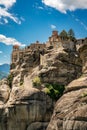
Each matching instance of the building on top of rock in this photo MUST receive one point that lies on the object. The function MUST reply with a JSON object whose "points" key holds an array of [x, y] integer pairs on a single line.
{"points": [[15, 53], [54, 40], [37, 45], [54, 36], [80, 43], [19, 54], [15, 47]]}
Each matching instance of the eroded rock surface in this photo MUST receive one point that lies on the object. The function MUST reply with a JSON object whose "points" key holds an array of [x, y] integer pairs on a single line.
{"points": [[24, 107], [56, 66], [4, 91], [70, 112], [60, 66], [26, 110]]}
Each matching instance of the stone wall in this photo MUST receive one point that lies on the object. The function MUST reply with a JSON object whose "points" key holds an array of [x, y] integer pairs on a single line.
{"points": [[20, 54]]}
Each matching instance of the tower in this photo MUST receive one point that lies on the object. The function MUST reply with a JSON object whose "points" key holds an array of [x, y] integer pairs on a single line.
{"points": [[55, 34], [15, 53], [15, 47]]}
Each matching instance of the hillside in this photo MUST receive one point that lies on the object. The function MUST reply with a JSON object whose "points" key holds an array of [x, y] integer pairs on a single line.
{"points": [[5, 68], [3, 75]]}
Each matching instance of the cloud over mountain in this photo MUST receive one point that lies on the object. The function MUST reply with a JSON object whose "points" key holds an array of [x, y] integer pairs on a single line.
{"points": [[64, 5], [5, 5]]}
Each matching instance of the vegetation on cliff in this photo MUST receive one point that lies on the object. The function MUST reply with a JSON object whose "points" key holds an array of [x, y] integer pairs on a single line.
{"points": [[55, 91], [67, 35]]}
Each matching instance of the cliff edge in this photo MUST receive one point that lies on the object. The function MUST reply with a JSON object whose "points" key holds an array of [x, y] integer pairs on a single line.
{"points": [[25, 101], [70, 112]]}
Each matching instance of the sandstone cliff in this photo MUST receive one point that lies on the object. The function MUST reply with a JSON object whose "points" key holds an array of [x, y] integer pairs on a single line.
{"points": [[25, 107], [70, 112]]}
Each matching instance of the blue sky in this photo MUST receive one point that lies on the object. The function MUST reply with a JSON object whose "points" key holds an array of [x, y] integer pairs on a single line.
{"points": [[24, 22]]}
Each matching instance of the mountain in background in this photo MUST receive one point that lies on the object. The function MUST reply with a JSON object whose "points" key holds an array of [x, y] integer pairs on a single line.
{"points": [[4, 70]]}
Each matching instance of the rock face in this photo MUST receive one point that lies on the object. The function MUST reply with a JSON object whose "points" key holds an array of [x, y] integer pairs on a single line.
{"points": [[24, 107], [70, 112], [56, 66], [4, 91], [26, 110], [60, 66]]}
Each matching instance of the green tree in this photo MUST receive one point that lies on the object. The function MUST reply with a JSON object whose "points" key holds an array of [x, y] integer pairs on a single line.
{"points": [[71, 34], [64, 35], [55, 91]]}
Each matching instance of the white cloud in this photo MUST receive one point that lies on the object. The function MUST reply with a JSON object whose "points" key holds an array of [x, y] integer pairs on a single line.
{"points": [[41, 8], [53, 26], [9, 41], [22, 19], [5, 20], [77, 19], [1, 52], [37, 6], [5, 5], [64, 5]]}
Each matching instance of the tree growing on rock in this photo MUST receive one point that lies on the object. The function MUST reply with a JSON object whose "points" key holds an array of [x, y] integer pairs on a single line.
{"points": [[71, 34], [64, 35]]}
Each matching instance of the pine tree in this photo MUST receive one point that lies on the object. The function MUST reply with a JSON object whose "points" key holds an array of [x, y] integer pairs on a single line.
{"points": [[64, 35], [71, 34]]}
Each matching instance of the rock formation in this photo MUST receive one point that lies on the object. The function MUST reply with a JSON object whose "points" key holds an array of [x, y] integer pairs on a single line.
{"points": [[70, 112], [60, 66], [26, 107]]}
